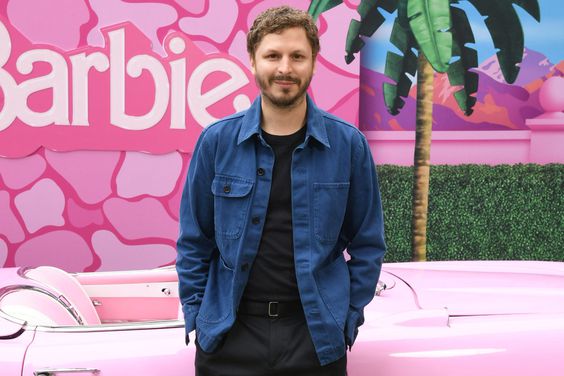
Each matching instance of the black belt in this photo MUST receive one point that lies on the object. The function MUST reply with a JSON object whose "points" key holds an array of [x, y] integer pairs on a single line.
{"points": [[270, 309]]}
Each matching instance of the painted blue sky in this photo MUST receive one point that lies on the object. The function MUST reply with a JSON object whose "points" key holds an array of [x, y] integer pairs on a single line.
{"points": [[544, 37]]}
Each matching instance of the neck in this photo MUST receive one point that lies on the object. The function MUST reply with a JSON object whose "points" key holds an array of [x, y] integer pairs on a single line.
{"points": [[281, 121]]}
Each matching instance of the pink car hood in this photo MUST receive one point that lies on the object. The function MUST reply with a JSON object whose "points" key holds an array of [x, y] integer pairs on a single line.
{"points": [[485, 287]]}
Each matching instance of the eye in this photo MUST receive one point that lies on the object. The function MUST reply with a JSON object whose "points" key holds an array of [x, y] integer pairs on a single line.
{"points": [[298, 57], [271, 56]]}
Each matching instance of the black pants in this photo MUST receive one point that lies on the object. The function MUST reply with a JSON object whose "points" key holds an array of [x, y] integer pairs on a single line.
{"points": [[259, 346]]}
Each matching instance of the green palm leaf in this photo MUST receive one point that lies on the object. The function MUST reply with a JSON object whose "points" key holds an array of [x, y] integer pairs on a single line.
{"points": [[398, 66], [530, 6], [430, 23], [370, 20], [319, 6], [459, 73], [505, 28]]}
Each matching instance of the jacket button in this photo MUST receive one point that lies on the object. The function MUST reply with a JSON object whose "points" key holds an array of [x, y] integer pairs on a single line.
{"points": [[260, 171], [244, 267], [226, 189], [255, 220]]}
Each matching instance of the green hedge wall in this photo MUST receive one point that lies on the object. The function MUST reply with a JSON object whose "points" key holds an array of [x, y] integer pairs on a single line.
{"points": [[479, 212]]}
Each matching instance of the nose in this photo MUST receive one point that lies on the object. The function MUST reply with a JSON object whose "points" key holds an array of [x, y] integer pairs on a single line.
{"points": [[284, 67]]}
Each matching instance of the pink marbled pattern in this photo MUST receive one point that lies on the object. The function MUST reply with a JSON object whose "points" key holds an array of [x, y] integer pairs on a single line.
{"points": [[20, 172], [89, 173], [3, 252], [9, 225], [193, 6], [336, 35], [60, 248], [143, 174], [116, 255], [148, 17], [60, 28], [82, 217], [42, 205], [146, 218], [108, 210], [219, 12], [174, 202], [327, 98], [238, 47]]}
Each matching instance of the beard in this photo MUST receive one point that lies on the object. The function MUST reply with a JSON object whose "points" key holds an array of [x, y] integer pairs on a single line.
{"points": [[286, 100]]}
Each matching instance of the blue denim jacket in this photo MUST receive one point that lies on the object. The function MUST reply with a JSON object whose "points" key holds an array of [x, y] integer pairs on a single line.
{"points": [[335, 206]]}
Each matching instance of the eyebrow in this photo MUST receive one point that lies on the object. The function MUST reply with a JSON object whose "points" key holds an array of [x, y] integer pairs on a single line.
{"points": [[272, 50]]}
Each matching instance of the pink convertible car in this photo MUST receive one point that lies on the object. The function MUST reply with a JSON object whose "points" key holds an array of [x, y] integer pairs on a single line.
{"points": [[434, 318]]}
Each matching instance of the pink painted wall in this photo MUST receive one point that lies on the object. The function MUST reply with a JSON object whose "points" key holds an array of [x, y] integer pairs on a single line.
{"points": [[98, 196], [541, 143], [102, 191]]}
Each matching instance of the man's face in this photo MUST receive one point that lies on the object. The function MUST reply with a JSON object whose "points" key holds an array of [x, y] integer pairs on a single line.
{"points": [[283, 66]]}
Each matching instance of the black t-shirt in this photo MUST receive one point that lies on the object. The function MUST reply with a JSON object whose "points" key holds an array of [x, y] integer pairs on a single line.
{"points": [[273, 276]]}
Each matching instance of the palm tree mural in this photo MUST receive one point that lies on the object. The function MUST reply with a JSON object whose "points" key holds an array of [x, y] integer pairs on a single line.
{"points": [[434, 36]]}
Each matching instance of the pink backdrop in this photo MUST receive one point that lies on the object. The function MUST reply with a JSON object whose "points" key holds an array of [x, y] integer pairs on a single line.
{"points": [[99, 196]]}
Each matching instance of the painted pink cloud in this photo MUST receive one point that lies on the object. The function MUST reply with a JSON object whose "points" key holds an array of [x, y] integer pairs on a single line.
{"points": [[19, 172], [142, 219], [89, 172], [145, 174], [54, 22], [118, 256], [111, 12], [9, 225], [42, 205], [216, 24], [3, 252], [63, 249], [82, 217]]}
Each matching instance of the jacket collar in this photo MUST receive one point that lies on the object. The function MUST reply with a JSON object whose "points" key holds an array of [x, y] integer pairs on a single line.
{"points": [[315, 124]]}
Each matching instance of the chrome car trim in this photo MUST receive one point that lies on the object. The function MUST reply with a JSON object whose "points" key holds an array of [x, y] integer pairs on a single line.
{"points": [[380, 286], [12, 319], [144, 325], [54, 371], [59, 298]]}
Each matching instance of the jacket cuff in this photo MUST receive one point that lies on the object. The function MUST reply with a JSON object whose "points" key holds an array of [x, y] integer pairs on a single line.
{"points": [[190, 312], [354, 320]]}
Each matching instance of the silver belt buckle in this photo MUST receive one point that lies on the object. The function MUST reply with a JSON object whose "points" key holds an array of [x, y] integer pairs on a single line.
{"points": [[272, 306]]}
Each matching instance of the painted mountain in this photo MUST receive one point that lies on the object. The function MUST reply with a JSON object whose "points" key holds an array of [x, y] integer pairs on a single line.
{"points": [[499, 106]]}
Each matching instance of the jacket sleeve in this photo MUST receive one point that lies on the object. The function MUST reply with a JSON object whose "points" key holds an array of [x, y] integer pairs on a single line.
{"points": [[196, 241], [364, 229]]}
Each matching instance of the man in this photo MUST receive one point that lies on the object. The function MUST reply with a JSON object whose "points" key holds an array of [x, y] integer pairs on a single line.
{"points": [[273, 197]]}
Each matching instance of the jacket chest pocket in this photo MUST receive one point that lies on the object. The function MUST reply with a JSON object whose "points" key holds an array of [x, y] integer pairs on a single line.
{"points": [[329, 206], [232, 198]]}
